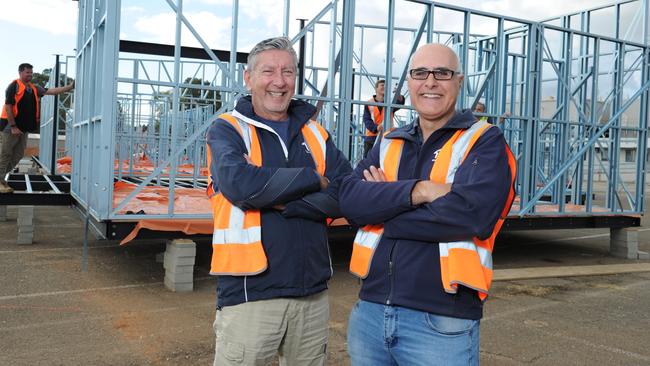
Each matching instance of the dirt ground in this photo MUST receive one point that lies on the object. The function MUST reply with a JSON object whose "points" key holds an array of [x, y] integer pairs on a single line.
{"points": [[119, 313]]}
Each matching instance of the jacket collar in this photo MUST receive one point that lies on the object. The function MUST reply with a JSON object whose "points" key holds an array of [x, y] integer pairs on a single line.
{"points": [[462, 119], [299, 112]]}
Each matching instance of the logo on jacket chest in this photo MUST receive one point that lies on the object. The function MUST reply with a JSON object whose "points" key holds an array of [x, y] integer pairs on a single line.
{"points": [[435, 155], [306, 148]]}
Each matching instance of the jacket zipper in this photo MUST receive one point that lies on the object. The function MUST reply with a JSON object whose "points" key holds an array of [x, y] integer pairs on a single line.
{"points": [[285, 148], [390, 274], [245, 290]]}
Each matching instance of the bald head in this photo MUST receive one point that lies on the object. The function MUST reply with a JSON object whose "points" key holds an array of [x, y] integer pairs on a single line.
{"points": [[441, 51]]}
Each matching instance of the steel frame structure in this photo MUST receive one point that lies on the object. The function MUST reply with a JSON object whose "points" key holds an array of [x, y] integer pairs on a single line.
{"points": [[55, 112], [522, 67], [38, 190]]}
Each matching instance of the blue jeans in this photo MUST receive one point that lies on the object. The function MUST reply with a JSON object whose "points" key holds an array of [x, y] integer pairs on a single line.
{"points": [[392, 335]]}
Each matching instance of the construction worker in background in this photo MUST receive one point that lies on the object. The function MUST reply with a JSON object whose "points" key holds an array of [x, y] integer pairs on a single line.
{"points": [[480, 108], [430, 198], [20, 115], [274, 177], [373, 116]]}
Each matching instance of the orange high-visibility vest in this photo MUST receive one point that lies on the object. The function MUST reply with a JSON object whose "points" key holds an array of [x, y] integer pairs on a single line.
{"points": [[237, 237], [468, 263], [377, 116], [20, 92]]}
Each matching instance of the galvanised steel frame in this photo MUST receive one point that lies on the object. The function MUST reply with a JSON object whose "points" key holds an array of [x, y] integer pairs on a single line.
{"points": [[56, 111], [572, 94]]}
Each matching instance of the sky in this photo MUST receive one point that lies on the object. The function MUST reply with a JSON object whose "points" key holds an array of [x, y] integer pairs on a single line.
{"points": [[36, 30]]}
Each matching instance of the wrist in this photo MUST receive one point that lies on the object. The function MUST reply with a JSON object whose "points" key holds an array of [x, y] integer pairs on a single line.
{"points": [[416, 194]]}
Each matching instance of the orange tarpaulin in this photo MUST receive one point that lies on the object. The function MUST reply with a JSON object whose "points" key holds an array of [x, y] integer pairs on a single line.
{"points": [[189, 227], [154, 200], [64, 165], [141, 166]]}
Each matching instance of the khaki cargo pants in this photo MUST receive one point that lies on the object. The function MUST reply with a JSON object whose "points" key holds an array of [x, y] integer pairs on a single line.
{"points": [[253, 333], [12, 149]]}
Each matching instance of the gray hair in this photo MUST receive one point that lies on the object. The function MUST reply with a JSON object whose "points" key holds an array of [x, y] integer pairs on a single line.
{"points": [[276, 43]]}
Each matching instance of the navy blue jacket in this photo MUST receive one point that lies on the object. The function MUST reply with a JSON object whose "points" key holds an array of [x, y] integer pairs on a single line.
{"points": [[295, 240], [405, 269]]}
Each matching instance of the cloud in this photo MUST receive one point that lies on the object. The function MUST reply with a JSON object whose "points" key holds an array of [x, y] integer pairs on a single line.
{"points": [[216, 2], [268, 15], [57, 17], [160, 28], [529, 10], [128, 10]]}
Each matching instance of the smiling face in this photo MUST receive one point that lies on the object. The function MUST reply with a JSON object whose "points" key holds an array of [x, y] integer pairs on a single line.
{"points": [[272, 83], [435, 100]]}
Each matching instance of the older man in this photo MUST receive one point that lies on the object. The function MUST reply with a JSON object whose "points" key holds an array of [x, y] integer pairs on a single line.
{"points": [[274, 182], [432, 197]]}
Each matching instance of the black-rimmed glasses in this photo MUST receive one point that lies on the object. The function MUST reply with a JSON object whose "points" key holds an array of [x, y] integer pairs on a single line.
{"points": [[438, 74]]}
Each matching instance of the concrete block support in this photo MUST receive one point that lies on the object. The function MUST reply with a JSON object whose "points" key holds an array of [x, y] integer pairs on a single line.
{"points": [[24, 165], [3, 213], [25, 239], [179, 265], [624, 242], [25, 225]]}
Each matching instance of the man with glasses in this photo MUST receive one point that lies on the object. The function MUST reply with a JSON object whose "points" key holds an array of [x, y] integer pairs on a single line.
{"points": [[430, 201]]}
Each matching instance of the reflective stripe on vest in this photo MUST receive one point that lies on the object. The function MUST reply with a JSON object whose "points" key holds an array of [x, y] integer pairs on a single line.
{"points": [[316, 138], [20, 92], [368, 237], [237, 248], [466, 262]]}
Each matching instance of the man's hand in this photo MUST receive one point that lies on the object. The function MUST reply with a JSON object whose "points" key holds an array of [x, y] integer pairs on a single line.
{"points": [[60, 89], [504, 116], [373, 174], [426, 191], [16, 131], [380, 128]]}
